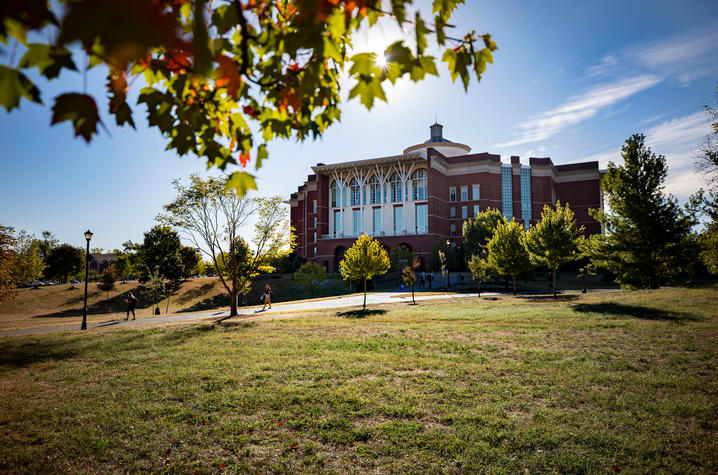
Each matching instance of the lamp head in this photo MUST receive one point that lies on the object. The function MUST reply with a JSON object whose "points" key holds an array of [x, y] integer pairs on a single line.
{"points": [[88, 234]]}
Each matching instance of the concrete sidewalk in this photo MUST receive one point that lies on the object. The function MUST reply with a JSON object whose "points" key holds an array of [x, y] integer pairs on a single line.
{"points": [[372, 298]]}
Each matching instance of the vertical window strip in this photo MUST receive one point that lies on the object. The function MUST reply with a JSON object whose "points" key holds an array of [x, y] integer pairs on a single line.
{"points": [[526, 196], [506, 192]]}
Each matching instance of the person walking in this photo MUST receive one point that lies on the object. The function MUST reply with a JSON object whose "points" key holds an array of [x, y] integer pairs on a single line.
{"points": [[422, 280], [131, 304], [430, 278], [267, 297]]}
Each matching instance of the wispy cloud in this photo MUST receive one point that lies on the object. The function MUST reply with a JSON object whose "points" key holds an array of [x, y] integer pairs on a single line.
{"points": [[580, 108], [678, 140]]}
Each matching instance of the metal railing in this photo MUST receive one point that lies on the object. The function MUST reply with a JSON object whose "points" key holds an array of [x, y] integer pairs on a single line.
{"points": [[414, 232]]}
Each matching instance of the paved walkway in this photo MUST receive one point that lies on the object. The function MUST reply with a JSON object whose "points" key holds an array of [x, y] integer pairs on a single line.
{"points": [[372, 298]]}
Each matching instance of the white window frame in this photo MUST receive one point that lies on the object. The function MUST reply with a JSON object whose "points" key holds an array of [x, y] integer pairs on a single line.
{"points": [[464, 212], [476, 192], [452, 194], [452, 212], [464, 193]]}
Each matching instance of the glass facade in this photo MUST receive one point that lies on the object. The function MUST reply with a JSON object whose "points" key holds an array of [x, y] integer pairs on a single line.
{"points": [[418, 185], [422, 218], [398, 219], [506, 192], [356, 221], [337, 222], [374, 190], [333, 195], [395, 187], [376, 221], [526, 196], [354, 193]]}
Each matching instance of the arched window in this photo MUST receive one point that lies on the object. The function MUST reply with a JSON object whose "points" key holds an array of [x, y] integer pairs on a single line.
{"points": [[418, 185], [374, 190], [333, 194], [354, 193], [395, 188]]}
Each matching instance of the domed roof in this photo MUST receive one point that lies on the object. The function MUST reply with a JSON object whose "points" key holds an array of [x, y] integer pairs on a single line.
{"points": [[445, 146]]}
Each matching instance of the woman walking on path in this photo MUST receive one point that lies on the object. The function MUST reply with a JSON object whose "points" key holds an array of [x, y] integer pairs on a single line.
{"points": [[131, 304], [267, 297]]}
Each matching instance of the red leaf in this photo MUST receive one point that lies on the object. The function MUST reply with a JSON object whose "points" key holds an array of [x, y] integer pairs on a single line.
{"points": [[222, 466], [81, 110], [249, 110], [295, 447], [227, 75], [281, 423], [196, 472], [294, 67], [243, 159], [616, 468], [178, 61]]}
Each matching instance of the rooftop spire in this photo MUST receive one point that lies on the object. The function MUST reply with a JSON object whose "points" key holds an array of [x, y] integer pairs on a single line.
{"points": [[436, 132]]}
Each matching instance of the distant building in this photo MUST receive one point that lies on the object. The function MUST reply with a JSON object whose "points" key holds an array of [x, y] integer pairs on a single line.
{"points": [[100, 262], [424, 195]]}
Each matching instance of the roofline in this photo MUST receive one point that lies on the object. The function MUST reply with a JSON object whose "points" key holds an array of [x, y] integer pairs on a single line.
{"points": [[370, 161]]}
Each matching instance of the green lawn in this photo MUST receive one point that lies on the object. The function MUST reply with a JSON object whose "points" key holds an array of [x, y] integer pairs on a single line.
{"points": [[609, 381]]}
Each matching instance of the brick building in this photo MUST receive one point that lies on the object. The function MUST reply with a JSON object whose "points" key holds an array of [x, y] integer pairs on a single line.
{"points": [[425, 194]]}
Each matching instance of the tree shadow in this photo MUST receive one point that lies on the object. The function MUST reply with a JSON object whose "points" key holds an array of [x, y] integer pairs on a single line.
{"points": [[634, 311], [195, 293], [179, 335], [361, 313], [549, 298], [210, 303]]}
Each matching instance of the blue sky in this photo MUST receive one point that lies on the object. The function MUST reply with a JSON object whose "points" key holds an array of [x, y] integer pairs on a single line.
{"points": [[571, 80]]}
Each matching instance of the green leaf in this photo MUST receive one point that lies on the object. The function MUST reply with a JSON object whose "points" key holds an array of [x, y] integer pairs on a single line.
{"points": [[49, 61], [482, 57], [421, 31], [364, 63], [490, 44], [13, 86], [261, 155], [459, 62], [368, 89], [241, 182], [425, 65], [123, 114], [203, 57], [446, 7], [81, 110], [398, 8], [439, 24]]}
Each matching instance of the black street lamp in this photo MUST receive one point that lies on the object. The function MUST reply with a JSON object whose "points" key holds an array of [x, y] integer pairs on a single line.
{"points": [[88, 236], [448, 276]]}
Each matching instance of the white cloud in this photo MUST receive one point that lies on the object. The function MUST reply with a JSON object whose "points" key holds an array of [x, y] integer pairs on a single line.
{"points": [[580, 108]]}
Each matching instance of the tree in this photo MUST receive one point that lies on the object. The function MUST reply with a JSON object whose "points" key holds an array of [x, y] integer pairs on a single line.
{"points": [[479, 230], [161, 251], [555, 240], [409, 276], [644, 229], [107, 280], [310, 276], [64, 260], [47, 243], [364, 260], [156, 285], [507, 250], [707, 157], [223, 78], [480, 270], [211, 216], [191, 259], [400, 257], [29, 264], [8, 279], [449, 254]]}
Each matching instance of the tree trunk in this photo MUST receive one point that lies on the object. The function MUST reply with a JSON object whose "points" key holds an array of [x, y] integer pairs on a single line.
{"points": [[554, 282], [412, 295], [233, 303], [167, 307], [478, 287], [514, 276], [364, 308]]}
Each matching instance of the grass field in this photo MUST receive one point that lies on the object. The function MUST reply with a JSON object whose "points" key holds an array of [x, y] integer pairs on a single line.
{"points": [[595, 383]]}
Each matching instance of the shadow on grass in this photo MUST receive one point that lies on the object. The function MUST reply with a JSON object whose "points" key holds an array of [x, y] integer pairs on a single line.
{"points": [[361, 313], [210, 303], [194, 293], [178, 335], [549, 298], [634, 311]]}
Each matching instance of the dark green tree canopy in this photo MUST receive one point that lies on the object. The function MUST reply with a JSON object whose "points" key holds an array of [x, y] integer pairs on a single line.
{"points": [[223, 78], [644, 228], [64, 260], [310, 276], [364, 260], [507, 250], [161, 252], [479, 230]]}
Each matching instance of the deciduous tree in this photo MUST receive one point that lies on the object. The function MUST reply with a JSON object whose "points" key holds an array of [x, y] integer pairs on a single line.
{"points": [[478, 231], [29, 264], [364, 260], [64, 260], [191, 259], [555, 240], [480, 270], [107, 280], [408, 275], [310, 276], [222, 79], [211, 216], [507, 250], [644, 229], [400, 256], [161, 251], [8, 280]]}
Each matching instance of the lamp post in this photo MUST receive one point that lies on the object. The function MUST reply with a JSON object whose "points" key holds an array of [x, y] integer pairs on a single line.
{"points": [[88, 236], [448, 276]]}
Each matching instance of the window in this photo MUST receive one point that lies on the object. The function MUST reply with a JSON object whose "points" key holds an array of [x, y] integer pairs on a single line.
{"points": [[452, 194], [464, 193], [506, 192], [314, 207], [333, 194], [315, 237], [356, 221], [315, 222], [474, 192], [337, 222], [376, 221], [395, 187], [453, 230], [526, 196], [398, 219], [464, 212], [476, 210], [315, 252], [418, 185], [354, 193], [422, 218], [452, 213], [374, 190]]}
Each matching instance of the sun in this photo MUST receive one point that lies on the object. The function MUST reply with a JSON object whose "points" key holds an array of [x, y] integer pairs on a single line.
{"points": [[381, 60]]}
